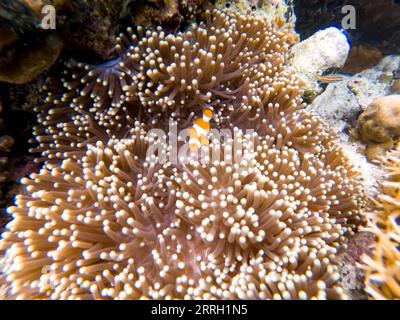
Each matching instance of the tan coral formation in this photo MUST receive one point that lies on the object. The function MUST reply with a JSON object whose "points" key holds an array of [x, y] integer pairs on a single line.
{"points": [[383, 267], [104, 220], [379, 125]]}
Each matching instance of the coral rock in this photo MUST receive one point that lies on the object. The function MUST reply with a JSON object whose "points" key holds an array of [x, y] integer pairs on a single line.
{"points": [[324, 50], [27, 63], [395, 88], [380, 122], [360, 58], [7, 37], [313, 15]]}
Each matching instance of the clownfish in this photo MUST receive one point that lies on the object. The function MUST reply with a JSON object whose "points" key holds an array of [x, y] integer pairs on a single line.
{"points": [[198, 133]]}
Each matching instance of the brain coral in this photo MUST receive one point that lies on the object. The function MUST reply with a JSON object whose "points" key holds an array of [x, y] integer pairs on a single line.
{"points": [[379, 125], [104, 219], [383, 267]]}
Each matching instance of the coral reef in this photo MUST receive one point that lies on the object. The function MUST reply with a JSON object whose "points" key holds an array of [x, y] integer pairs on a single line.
{"points": [[106, 219], [379, 125], [170, 14], [28, 63], [6, 141], [26, 50], [341, 104], [360, 58], [83, 28], [351, 267], [271, 10], [325, 50], [395, 87], [382, 267], [14, 163], [314, 15]]}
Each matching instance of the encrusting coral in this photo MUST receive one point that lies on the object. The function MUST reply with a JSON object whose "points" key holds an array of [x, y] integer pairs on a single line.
{"points": [[383, 267], [106, 219], [379, 125]]}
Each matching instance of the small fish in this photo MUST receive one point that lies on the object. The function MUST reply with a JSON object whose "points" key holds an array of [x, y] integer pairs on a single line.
{"points": [[332, 78], [198, 133]]}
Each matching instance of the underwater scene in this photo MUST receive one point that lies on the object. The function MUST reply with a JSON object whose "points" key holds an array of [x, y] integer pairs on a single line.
{"points": [[199, 149]]}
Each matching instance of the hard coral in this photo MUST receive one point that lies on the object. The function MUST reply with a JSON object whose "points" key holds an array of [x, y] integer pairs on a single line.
{"points": [[379, 125], [169, 14], [104, 219], [26, 49], [383, 267]]}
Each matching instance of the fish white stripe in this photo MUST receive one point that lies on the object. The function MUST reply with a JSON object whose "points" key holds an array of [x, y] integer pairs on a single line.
{"points": [[194, 141], [200, 131]]}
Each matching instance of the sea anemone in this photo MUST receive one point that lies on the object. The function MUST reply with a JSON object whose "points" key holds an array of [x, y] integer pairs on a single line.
{"points": [[383, 267], [65, 128], [212, 63], [274, 199], [382, 280], [100, 88], [260, 215], [87, 219], [274, 107], [116, 224]]}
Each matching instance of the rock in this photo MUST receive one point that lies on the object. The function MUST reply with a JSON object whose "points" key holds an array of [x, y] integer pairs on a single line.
{"points": [[18, 15], [362, 57], [6, 142], [341, 104], [395, 87], [324, 50], [380, 122], [379, 125], [269, 9], [7, 38], [377, 21], [360, 162], [28, 62], [171, 8]]}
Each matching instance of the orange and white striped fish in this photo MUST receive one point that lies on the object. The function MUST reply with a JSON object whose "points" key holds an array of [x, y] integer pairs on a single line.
{"points": [[201, 128]]}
